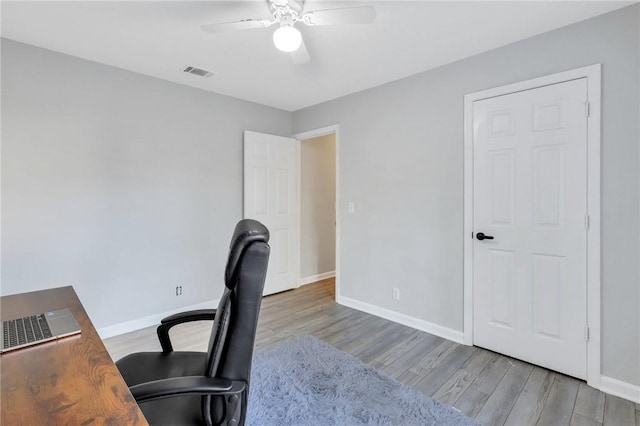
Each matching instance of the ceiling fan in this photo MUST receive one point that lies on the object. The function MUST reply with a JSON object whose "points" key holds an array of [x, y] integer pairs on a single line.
{"points": [[286, 13]]}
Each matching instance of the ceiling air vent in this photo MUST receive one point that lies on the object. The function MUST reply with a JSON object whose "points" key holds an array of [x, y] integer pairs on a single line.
{"points": [[200, 72]]}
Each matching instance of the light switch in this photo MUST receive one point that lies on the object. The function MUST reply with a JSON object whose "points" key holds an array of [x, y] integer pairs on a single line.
{"points": [[352, 207]]}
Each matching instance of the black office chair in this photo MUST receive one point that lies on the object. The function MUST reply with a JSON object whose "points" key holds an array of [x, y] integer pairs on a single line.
{"points": [[194, 388]]}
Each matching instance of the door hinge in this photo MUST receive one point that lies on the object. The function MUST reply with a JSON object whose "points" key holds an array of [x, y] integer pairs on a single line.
{"points": [[587, 109], [586, 333], [586, 222]]}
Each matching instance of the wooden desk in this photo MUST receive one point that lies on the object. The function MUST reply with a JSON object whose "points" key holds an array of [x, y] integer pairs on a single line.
{"points": [[71, 381]]}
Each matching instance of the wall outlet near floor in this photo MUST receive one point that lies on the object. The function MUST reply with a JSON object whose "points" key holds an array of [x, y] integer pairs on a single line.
{"points": [[178, 290], [396, 293]]}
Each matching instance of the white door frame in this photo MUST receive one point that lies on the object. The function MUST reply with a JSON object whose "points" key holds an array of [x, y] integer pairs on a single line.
{"points": [[593, 75], [323, 131]]}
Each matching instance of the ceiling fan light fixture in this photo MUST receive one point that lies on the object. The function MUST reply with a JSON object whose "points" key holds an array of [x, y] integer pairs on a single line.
{"points": [[287, 38]]}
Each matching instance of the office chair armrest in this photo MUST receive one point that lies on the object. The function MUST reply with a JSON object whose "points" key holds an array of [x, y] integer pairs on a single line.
{"points": [[197, 315], [179, 318], [188, 385]]}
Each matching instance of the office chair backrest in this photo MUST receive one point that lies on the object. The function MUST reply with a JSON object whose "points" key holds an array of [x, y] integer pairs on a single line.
{"points": [[234, 328]]}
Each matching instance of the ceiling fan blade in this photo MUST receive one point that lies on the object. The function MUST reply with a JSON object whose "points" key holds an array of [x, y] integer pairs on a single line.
{"points": [[347, 15], [300, 55], [245, 24]]}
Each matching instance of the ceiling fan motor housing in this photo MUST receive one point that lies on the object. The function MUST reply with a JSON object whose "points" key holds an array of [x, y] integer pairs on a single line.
{"points": [[282, 8]]}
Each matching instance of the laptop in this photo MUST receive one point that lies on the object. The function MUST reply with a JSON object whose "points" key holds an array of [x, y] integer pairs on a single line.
{"points": [[35, 329]]}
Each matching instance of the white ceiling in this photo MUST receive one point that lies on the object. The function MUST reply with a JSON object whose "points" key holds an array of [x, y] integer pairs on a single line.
{"points": [[159, 38]]}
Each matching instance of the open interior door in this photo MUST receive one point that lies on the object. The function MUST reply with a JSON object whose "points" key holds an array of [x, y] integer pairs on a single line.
{"points": [[270, 170]]}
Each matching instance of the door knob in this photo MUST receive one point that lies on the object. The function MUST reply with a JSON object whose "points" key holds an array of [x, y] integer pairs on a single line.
{"points": [[480, 236]]}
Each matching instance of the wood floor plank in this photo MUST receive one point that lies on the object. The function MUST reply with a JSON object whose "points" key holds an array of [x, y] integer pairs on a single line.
{"points": [[478, 361], [193, 338], [476, 381], [265, 338], [618, 411], [471, 402], [365, 341], [391, 336], [579, 420], [453, 388], [352, 337], [528, 406], [460, 381], [589, 404], [558, 409], [439, 374], [335, 329], [387, 357], [143, 340], [409, 378], [491, 375], [395, 363], [325, 318], [434, 358], [499, 405]]}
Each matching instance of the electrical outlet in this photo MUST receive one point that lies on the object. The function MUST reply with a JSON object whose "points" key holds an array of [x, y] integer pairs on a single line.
{"points": [[396, 293], [178, 290]]}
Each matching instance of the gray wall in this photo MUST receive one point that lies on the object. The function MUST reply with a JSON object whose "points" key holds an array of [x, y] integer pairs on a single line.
{"points": [[401, 156], [125, 186], [317, 206], [121, 185]]}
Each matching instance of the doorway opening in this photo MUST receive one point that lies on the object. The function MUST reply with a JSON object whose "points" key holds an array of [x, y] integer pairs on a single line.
{"points": [[318, 205]]}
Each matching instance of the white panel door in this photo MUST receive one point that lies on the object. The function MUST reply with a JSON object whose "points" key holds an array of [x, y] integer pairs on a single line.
{"points": [[530, 195], [270, 169]]}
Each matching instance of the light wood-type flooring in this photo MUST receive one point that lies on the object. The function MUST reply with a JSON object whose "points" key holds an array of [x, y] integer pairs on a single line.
{"points": [[492, 388]]}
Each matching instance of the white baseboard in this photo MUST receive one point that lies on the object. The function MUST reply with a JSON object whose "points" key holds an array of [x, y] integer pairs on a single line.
{"points": [[137, 324], [422, 325], [313, 278], [619, 388]]}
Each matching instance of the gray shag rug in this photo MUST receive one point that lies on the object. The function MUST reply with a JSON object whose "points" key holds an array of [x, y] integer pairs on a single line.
{"points": [[308, 382]]}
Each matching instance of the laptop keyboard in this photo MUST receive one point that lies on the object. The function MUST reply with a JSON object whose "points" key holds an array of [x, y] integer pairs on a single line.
{"points": [[25, 330]]}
